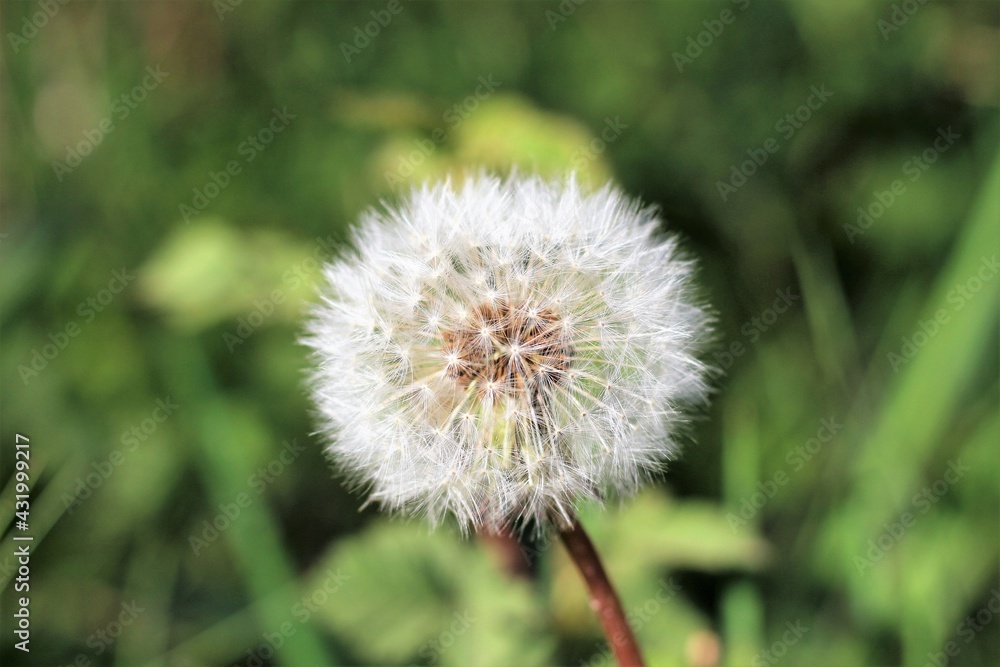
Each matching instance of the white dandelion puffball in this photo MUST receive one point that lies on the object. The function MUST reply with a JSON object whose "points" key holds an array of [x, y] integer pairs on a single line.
{"points": [[502, 349]]}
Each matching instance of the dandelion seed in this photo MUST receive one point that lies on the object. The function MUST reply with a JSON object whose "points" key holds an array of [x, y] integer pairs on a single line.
{"points": [[490, 351]]}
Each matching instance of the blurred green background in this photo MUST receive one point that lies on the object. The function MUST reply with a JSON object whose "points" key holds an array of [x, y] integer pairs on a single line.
{"points": [[173, 173]]}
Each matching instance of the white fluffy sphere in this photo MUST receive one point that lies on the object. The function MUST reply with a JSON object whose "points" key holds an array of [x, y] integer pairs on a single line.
{"points": [[502, 349]]}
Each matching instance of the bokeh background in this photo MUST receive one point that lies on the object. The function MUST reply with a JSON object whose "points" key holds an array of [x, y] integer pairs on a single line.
{"points": [[174, 172]]}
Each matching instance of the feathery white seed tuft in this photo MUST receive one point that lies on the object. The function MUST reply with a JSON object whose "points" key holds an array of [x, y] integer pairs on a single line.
{"points": [[505, 348]]}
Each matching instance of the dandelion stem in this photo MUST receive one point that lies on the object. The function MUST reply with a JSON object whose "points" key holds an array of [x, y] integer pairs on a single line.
{"points": [[603, 598]]}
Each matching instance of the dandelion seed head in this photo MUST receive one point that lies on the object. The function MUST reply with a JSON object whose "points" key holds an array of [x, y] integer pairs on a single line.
{"points": [[503, 349]]}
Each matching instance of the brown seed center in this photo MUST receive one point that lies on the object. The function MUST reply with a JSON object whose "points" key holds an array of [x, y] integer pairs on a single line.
{"points": [[508, 348]]}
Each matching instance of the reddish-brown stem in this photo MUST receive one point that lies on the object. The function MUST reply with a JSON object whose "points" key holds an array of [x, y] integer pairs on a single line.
{"points": [[603, 598]]}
